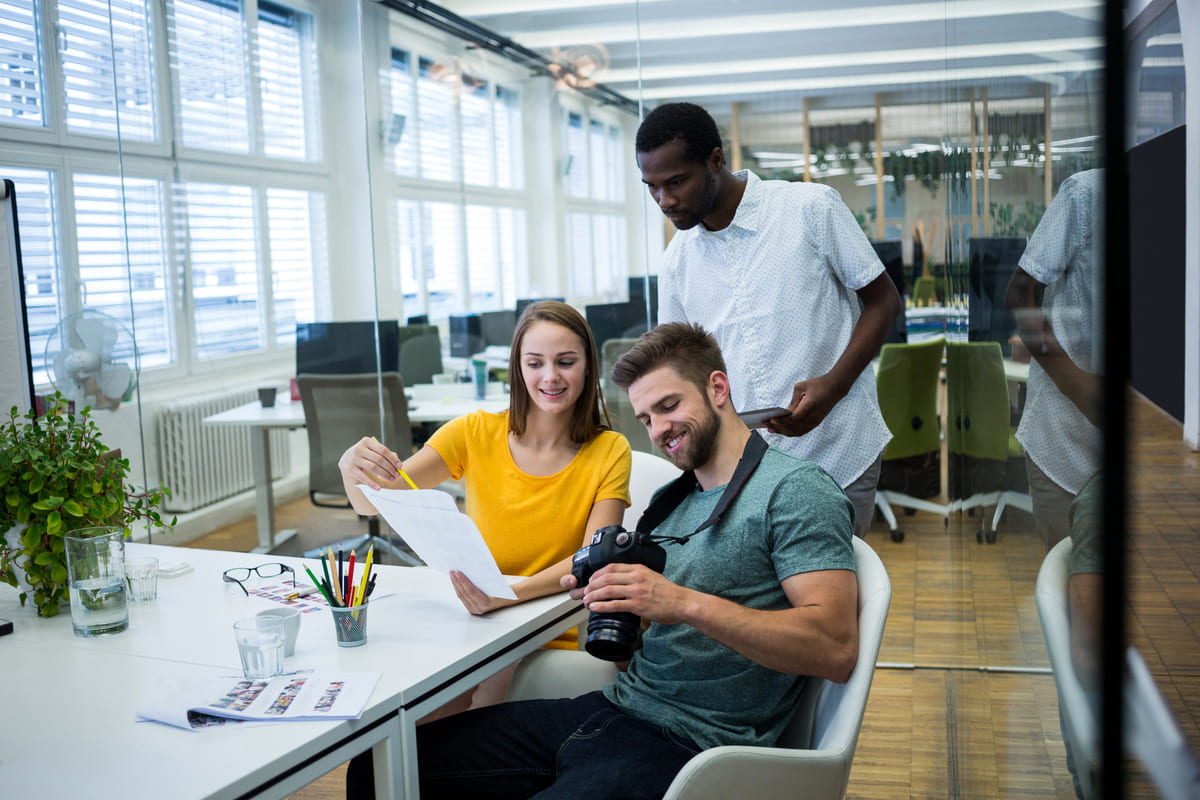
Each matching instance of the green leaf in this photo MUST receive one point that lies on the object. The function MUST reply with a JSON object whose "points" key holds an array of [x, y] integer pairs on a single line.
{"points": [[73, 508], [45, 558], [36, 484], [53, 523], [58, 573]]}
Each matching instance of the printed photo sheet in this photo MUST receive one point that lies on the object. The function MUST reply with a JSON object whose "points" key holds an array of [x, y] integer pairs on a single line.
{"points": [[306, 695]]}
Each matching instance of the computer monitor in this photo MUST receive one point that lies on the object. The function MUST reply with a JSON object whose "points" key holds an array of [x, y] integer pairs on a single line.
{"points": [[346, 348], [992, 260], [637, 294], [496, 327], [418, 319], [616, 320]]}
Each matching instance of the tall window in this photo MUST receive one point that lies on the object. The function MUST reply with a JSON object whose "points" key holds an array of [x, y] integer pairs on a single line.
{"points": [[199, 268], [454, 142], [595, 224]]}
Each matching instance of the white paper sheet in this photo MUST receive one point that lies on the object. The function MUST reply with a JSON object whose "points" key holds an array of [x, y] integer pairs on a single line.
{"points": [[444, 537]]}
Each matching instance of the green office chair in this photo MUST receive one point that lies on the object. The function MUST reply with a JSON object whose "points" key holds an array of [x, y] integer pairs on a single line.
{"points": [[980, 434], [924, 290], [911, 472]]}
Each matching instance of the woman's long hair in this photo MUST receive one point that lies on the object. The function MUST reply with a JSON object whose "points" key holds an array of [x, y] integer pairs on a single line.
{"points": [[590, 415]]}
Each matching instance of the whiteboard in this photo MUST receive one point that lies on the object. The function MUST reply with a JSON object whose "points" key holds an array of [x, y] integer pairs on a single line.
{"points": [[16, 373]]}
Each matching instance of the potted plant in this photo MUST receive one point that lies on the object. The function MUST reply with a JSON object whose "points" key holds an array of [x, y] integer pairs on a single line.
{"points": [[58, 477]]}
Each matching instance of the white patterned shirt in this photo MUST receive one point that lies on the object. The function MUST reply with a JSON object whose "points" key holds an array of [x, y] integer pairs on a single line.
{"points": [[777, 290], [1061, 254]]}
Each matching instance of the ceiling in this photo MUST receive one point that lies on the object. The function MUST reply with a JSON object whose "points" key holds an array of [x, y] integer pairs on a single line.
{"points": [[768, 55]]}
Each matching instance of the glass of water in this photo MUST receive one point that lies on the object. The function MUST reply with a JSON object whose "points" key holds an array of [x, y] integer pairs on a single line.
{"points": [[96, 580], [260, 643]]}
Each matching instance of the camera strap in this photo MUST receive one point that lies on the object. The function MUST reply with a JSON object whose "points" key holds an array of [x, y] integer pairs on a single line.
{"points": [[677, 491]]}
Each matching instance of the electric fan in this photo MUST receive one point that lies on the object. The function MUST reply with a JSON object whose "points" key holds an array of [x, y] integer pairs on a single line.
{"points": [[92, 359]]}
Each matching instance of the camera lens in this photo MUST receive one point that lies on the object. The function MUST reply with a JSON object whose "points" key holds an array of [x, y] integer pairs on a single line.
{"points": [[611, 637]]}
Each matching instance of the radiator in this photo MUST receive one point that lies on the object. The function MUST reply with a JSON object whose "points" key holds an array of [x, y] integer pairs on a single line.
{"points": [[202, 464]]}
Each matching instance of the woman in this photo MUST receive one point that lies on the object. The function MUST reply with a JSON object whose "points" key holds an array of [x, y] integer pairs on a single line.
{"points": [[540, 477]]}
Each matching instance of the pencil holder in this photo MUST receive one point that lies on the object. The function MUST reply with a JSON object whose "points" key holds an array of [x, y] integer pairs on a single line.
{"points": [[350, 624]]}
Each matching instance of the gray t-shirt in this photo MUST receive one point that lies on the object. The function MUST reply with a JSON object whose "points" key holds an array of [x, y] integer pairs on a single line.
{"points": [[790, 517]]}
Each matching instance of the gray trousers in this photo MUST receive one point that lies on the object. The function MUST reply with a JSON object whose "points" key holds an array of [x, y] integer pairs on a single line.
{"points": [[861, 492]]}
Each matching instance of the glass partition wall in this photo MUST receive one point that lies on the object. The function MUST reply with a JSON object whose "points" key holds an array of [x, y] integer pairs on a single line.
{"points": [[220, 183]]}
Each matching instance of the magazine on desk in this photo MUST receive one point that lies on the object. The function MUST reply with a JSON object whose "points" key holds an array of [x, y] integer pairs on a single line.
{"points": [[295, 696]]}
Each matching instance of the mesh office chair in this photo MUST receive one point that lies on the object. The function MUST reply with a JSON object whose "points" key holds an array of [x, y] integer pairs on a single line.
{"points": [[813, 756], [623, 419], [338, 411], [979, 432], [911, 472]]}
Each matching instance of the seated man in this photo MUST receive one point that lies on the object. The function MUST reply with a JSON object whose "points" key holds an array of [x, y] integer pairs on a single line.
{"points": [[745, 609]]}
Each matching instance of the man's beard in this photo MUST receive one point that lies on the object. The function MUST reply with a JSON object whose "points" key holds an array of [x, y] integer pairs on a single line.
{"points": [[708, 201], [700, 443]]}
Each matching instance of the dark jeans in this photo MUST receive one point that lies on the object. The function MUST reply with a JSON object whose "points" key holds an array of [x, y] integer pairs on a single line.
{"points": [[580, 747]]}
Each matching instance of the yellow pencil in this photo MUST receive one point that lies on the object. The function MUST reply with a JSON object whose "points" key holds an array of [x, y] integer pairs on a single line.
{"points": [[403, 474], [366, 573]]}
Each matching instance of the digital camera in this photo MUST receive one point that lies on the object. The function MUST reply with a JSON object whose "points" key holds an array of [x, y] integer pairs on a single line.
{"points": [[612, 636]]}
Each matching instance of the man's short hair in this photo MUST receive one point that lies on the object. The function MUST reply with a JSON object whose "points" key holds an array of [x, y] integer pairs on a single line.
{"points": [[687, 347], [684, 122]]}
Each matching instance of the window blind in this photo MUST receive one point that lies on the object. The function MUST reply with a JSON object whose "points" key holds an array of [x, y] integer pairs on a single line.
{"points": [[210, 67], [299, 269], [509, 138], [283, 62], [402, 152], [476, 115], [221, 255], [598, 160], [22, 95], [442, 242], [435, 109], [579, 254], [122, 257], [575, 151], [107, 67]]}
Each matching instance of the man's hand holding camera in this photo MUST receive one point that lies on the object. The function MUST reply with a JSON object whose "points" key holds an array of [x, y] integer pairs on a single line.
{"points": [[631, 589]]}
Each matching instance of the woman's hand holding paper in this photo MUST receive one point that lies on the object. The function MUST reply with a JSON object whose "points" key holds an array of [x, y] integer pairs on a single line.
{"points": [[475, 600]]}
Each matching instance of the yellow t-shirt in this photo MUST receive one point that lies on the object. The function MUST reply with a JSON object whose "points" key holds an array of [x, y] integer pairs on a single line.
{"points": [[529, 521]]}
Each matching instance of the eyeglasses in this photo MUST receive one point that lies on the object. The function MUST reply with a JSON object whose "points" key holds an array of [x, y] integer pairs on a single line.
{"points": [[239, 574]]}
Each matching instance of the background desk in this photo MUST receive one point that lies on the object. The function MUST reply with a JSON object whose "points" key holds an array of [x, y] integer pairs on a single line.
{"points": [[428, 402], [69, 703]]}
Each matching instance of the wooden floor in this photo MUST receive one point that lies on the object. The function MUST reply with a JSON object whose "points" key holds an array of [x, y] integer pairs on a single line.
{"points": [[962, 704]]}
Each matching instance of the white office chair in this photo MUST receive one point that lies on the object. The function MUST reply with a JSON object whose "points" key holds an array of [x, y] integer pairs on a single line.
{"points": [[1076, 712], [813, 756], [647, 473]]}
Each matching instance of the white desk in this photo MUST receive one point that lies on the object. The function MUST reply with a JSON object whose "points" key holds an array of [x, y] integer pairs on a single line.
{"points": [[70, 703], [429, 403]]}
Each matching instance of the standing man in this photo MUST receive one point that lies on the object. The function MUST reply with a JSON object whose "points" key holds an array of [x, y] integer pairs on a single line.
{"points": [[775, 270]]}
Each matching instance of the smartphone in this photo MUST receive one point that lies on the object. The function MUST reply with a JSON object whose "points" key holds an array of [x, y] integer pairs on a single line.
{"points": [[755, 419]]}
